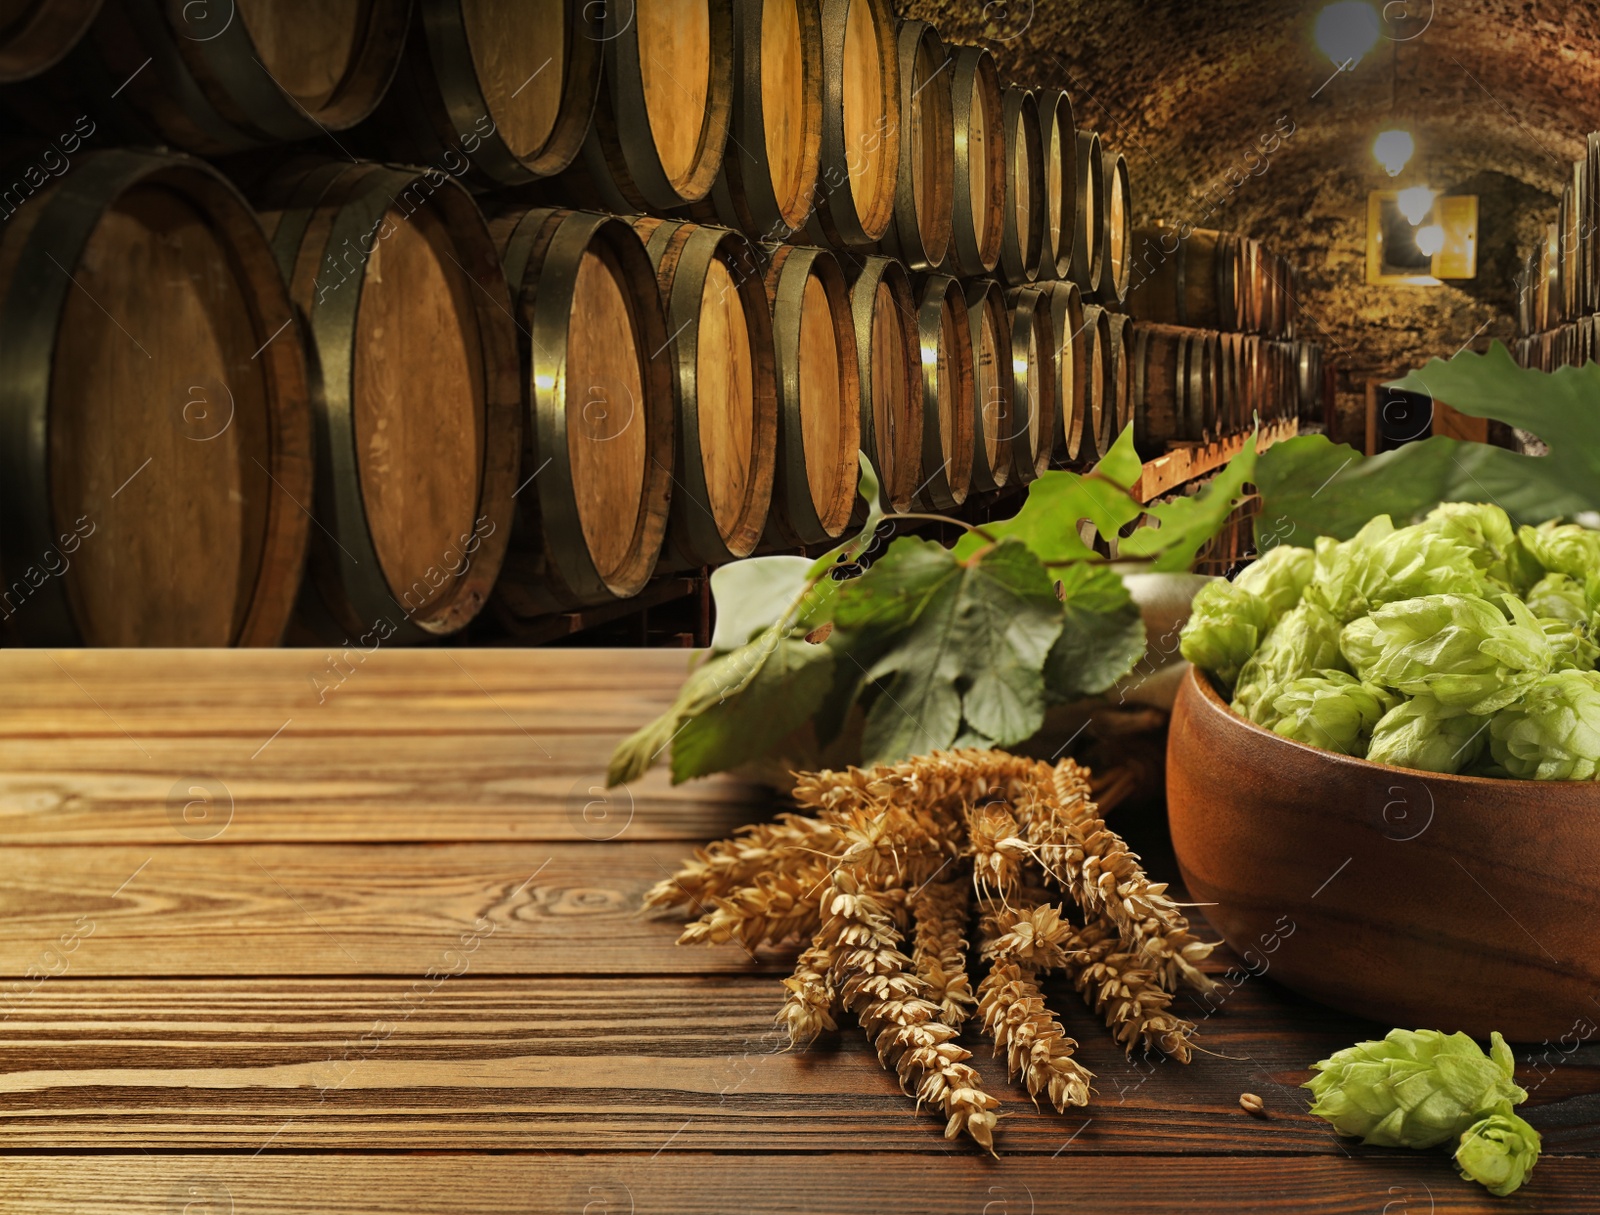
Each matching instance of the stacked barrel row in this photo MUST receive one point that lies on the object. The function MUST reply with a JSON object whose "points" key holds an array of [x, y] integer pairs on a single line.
{"points": [[662, 269], [1214, 345], [1558, 296]]}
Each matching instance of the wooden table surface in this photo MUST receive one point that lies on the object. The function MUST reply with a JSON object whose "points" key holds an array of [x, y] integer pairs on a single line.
{"points": [[284, 935]]}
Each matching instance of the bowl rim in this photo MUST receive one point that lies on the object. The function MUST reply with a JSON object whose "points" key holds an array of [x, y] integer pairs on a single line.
{"points": [[1209, 695]]}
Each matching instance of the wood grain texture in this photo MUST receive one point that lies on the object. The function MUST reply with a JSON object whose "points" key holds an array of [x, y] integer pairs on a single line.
{"points": [[449, 1058], [735, 1185]]}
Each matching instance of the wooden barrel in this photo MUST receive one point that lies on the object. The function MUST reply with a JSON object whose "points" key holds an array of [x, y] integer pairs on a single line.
{"points": [[1116, 254], [980, 162], [819, 393], [1073, 390], [919, 234], [944, 338], [1308, 379], [1160, 365], [1103, 404], [1205, 386], [36, 34], [860, 114], [1234, 406], [720, 346], [769, 169], [1058, 141], [155, 436], [412, 337], [1089, 222], [666, 96], [597, 453], [887, 356], [1022, 245], [507, 86], [991, 384], [225, 77], [1120, 377], [1197, 281], [1572, 271], [1033, 389]]}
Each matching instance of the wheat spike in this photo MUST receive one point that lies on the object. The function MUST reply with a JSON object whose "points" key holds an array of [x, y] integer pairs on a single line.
{"points": [[726, 865], [939, 954], [809, 1007], [1124, 991]]}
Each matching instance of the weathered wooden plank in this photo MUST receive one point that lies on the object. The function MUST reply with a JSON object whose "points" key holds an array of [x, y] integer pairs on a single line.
{"points": [[452, 745], [736, 1185], [460, 1061], [308, 909]]}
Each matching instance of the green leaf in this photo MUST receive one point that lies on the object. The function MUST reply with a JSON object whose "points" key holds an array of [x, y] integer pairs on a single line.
{"points": [[1311, 487], [1186, 523], [1559, 407], [1057, 501], [1103, 637], [752, 595], [787, 686], [973, 640]]}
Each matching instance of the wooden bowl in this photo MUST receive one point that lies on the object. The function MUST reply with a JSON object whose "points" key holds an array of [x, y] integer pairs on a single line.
{"points": [[1419, 900]]}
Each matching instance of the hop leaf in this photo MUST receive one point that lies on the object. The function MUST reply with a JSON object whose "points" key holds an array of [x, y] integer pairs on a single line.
{"points": [[1415, 1088], [1305, 640], [1381, 564], [1331, 710], [1553, 731], [1422, 733], [1498, 1151], [1563, 548]]}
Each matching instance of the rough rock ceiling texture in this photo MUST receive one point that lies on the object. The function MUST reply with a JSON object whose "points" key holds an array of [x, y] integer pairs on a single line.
{"points": [[1497, 93]]}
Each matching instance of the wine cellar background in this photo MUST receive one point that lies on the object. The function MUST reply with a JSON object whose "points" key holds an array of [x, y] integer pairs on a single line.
{"points": [[338, 323]]}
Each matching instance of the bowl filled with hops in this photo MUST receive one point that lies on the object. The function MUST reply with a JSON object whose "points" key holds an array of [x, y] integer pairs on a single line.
{"points": [[1384, 771]]}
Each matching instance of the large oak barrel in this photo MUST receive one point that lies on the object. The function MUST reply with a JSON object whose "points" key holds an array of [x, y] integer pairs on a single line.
{"points": [[1102, 414], [666, 96], [230, 76], [1033, 390], [720, 346], [155, 436], [596, 478], [980, 161], [1058, 141], [1120, 377], [944, 338], [1117, 252], [919, 234], [769, 170], [36, 34], [1198, 280], [1073, 390], [887, 355], [860, 114], [415, 397], [819, 394], [1022, 246], [508, 86], [991, 384], [1089, 223], [1160, 364]]}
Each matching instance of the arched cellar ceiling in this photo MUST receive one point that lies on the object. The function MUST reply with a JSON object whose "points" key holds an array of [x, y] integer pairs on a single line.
{"points": [[1498, 94]]}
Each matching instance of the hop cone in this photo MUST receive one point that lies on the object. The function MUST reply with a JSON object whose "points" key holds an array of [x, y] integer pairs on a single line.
{"points": [[1416, 1088], [1498, 1151], [1226, 623], [1422, 733], [1331, 710], [1563, 548], [1553, 732]]}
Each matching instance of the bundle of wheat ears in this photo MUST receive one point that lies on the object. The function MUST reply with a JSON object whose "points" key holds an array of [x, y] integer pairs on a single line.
{"points": [[933, 847]]}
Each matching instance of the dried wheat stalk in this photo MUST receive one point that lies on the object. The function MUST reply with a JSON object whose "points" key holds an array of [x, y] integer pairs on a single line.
{"points": [[913, 850]]}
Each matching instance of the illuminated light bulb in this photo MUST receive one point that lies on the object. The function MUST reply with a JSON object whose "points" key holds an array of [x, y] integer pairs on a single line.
{"points": [[1430, 240], [1346, 31], [1415, 202], [1393, 149]]}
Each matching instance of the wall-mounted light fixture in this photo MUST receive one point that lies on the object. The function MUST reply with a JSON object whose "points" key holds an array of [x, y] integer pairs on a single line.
{"points": [[1415, 202], [1346, 31], [1430, 239], [1393, 149]]}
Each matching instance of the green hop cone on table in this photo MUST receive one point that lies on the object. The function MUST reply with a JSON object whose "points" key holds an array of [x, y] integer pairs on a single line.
{"points": [[1498, 1151], [1415, 1088]]}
